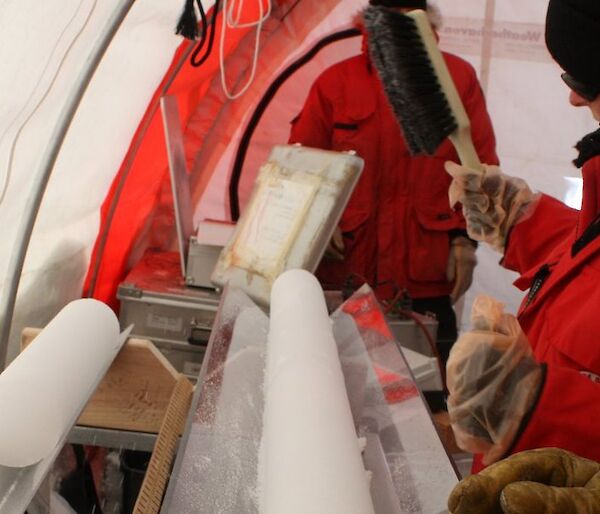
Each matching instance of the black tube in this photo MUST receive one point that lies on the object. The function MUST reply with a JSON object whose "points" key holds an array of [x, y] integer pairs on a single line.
{"points": [[240, 156]]}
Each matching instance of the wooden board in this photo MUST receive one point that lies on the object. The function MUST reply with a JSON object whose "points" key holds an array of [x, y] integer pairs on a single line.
{"points": [[134, 393], [152, 491]]}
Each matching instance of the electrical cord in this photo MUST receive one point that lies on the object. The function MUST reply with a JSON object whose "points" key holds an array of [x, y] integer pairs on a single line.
{"points": [[392, 307], [229, 22], [187, 27], [432, 345], [194, 59], [236, 24]]}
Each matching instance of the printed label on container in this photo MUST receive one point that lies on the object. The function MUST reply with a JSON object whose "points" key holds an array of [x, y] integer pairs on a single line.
{"points": [[166, 323]]}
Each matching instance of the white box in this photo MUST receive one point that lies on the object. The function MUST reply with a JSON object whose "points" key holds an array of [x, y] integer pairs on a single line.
{"points": [[204, 251], [296, 203], [425, 370]]}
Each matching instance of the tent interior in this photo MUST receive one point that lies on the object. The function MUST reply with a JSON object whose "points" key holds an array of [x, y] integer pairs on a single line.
{"points": [[108, 198]]}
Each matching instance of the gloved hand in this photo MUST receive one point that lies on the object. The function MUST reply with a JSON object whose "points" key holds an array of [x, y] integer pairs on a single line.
{"points": [[548, 480], [492, 201], [492, 379], [335, 249], [461, 264]]}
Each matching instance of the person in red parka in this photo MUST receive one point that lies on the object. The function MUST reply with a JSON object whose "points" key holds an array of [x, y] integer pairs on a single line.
{"points": [[398, 231], [547, 391]]}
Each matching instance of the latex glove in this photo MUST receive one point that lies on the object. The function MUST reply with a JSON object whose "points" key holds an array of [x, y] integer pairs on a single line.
{"points": [[548, 480], [492, 379], [461, 264], [335, 249], [492, 202]]}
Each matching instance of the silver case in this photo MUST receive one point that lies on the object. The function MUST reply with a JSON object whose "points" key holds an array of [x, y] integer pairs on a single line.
{"points": [[202, 259], [410, 335], [156, 301]]}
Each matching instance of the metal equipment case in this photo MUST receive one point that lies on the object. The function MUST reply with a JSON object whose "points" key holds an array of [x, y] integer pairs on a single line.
{"points": [[410, 335], [176, 318]]}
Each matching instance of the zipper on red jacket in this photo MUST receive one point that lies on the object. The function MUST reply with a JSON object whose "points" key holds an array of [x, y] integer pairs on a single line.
{"points": [[538, 281], [590, 233]]}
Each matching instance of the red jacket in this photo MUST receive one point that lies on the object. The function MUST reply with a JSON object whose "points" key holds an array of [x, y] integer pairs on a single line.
{"points": [[396, 225], [562, 321]]}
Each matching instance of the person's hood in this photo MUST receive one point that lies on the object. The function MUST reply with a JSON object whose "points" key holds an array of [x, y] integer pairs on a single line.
{"points": [[358, 22]]}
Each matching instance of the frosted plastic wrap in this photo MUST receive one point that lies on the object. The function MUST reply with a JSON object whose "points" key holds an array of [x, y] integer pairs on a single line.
{"points": [[216, 467], [45, 387], [493, 380], [311, 456]]}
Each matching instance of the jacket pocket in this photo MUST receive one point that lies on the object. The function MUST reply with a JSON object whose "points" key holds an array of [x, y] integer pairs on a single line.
{"points": [[348, 130], [428, 243]]}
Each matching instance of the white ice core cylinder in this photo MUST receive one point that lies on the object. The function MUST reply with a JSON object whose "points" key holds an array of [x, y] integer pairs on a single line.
{"points": [[45, 387], [311, 458]]}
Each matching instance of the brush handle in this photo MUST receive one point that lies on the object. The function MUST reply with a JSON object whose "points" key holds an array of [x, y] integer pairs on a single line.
{"points": [[463, 143], [461, 137]]}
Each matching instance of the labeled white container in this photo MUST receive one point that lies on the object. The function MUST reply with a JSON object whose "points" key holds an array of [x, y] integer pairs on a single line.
{"points": [[296, 203]]}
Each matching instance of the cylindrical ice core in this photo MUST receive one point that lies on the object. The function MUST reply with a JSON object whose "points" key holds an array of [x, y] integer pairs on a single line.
{"points": [[312, 461], [46, 386]]}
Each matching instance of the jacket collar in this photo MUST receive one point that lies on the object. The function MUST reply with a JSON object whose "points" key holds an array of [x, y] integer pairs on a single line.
{"points": [[590, 205]]}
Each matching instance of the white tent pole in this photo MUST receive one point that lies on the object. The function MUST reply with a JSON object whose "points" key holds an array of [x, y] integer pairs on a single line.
{"points": [[8, 294]]}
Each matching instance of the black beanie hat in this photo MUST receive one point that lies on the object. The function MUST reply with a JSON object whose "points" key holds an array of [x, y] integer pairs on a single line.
{"points": [[573, 38], [417, 4]]}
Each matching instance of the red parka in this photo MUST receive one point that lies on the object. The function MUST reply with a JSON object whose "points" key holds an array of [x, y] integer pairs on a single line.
{"points": [[398, 222], [562, 319]]}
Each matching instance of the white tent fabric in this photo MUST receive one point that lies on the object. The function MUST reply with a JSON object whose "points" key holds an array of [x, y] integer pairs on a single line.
{"points": [[535, 126], [44, 44]]}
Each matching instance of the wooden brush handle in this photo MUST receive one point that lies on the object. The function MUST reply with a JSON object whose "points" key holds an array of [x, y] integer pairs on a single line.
{"points": [[461, 137], [463, 143]]}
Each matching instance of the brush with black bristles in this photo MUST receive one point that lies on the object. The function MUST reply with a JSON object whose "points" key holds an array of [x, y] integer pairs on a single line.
{"points": [[404, 50]]}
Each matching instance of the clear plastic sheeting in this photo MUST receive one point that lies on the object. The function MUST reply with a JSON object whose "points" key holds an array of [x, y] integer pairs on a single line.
{"points": [[217, 464], [412, 472], [216, 467]]}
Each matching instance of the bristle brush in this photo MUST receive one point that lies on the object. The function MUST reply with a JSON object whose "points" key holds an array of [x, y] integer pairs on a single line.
{"points": [[416, 80]]}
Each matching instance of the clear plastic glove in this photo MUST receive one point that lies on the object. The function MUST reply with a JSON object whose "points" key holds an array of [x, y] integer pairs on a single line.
{"points": [[461, 264], [492, 201], [548, 480], [492, 379], [335, 248]]}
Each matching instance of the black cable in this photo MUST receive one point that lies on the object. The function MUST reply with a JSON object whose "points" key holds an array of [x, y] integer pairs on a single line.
{"points": [[204, 22], [187, 26], [240, 156], [78, 487], [88, 478], [194, 61]]}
